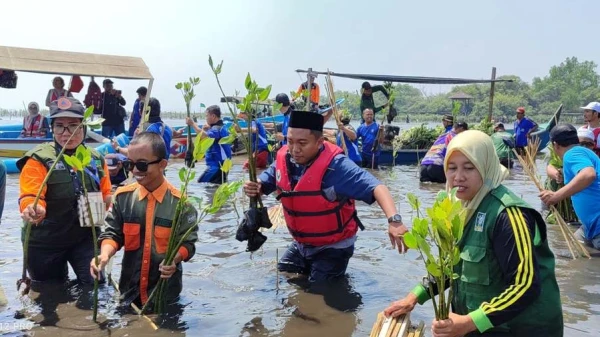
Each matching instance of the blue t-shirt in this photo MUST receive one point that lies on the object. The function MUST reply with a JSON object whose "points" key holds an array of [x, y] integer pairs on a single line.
{"points": [[368, 135], [165, 131], [261, 135], [135, 117], [343, 179], [352, 146], [217, 153], [284, 128], [585, 202], [521, 129]]}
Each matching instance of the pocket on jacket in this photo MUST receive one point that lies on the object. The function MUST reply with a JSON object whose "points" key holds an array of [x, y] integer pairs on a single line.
{"points": [[475, 268], [161, 238], [131, 232]]}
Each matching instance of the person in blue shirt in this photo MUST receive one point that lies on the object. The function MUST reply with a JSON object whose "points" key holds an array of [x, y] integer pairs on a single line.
{"points": [[368, 132], [217, 153], [581, 172], [136, 115], [350, 139], [523, 127], [260, 145], [285, 109], [156, 126], [317, 186]]}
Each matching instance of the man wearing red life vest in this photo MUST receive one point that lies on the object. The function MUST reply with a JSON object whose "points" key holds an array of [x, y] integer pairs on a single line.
{"points": [[318, 186]]}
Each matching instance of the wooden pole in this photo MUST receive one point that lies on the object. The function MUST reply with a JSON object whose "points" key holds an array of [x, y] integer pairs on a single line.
{"points": [[492, 88]]}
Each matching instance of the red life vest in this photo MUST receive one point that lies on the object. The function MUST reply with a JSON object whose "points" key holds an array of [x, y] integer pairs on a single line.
{"points": [[32, 126], [310, 217]]}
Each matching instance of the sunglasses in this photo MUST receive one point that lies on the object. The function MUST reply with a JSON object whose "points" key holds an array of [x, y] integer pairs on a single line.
{"points": [[142, 166]]}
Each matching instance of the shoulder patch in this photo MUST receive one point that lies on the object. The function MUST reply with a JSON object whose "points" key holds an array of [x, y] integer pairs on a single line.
{"points": [[126, 188]]}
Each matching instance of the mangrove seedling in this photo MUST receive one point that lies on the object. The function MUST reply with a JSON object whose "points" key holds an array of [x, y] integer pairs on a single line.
{"points": [[436, 237], [79, 162], [257, 215], [92, 124], [187, 91]]}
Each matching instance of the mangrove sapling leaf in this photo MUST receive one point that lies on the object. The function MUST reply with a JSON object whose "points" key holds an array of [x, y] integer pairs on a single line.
{"points": [[182, 173], [410, 241], [248, 82], [413, 201], [433, 269], [264, 93], [420, 226], [201, 146], [227, 164]]}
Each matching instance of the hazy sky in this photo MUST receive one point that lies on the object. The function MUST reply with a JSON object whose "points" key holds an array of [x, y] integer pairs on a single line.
{"points": [[272, 38]]}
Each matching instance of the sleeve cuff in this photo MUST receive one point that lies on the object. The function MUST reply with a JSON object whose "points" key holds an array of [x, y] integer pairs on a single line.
{"points": [[184, 253], [26, 201], [421, 293], [110, 242], [482, 322]]}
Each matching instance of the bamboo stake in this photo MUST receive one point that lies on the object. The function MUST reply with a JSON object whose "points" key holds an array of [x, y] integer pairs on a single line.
{"points": [[529, 166], [331, 95]]}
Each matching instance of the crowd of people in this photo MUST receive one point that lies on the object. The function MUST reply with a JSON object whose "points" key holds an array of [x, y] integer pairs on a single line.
{"points": [[498, 291]]}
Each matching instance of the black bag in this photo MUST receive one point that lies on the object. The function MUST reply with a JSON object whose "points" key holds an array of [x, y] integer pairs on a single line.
{"points": [[8, 79], [121, 112]]}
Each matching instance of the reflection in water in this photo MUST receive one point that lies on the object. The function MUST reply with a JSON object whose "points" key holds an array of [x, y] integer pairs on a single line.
{"points": [[229, 292]]}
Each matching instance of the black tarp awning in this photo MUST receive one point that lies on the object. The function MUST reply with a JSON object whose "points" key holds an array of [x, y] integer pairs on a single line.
{"points": [[406, 79]]}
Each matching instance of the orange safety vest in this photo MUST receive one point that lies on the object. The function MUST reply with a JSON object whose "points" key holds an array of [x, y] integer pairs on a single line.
{"points": [[310, 217]]}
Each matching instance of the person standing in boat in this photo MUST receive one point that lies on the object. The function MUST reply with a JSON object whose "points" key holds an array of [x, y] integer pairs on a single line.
{"points": [[58, 239], [34, 125], [368, 132], [368, 102], [581, 172], [591, 117], [432, 165], [506, 284], [318, 185], [315, 92], [523, 127], [112, 110], [57, 91], [136, 114], [216, 153]]}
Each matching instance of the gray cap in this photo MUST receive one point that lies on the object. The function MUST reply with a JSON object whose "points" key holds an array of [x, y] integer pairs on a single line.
{"points": [[66, 107]]}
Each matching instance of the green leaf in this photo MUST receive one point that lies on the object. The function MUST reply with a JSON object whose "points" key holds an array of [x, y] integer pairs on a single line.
{"points": [[455, 256], [277, 107], [420, 226], [195, 200], [433, 269], [88, 112], [192, 175], [226, 165], [178, 86], [424, 246], [210, 62], [410, 241], [248, 82], [441, 196], [182, 174], [413, 201], [455, 276], [264, 94], [201, 145], [457, 228]]}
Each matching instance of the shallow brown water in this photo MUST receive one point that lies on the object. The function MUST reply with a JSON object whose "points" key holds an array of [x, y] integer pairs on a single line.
{"points": [[228, 292]]}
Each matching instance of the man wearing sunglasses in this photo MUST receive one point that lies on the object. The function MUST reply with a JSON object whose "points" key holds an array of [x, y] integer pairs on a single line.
{"points": [[57, 237], [591, 116], [140, 221]]}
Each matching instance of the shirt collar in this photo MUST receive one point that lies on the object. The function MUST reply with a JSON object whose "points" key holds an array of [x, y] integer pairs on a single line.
{"points": [[158, 194]]}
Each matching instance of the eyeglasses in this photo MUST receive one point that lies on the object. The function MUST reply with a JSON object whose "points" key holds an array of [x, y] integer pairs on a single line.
{"points": [[60, 129], [142, 166]]}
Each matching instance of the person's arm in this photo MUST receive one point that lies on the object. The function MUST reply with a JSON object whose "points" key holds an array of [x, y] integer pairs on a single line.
{"points": [[554, 174], [111, 239], [515, 231], [121, 100], [533, 129], [266, 183], [30, 180], [48, 98], [106, 186], [583, 179], [348, 131], [381, 89]]}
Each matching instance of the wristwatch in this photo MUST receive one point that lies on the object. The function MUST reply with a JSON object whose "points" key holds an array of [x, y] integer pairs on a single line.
{"points": [[395, 218]]}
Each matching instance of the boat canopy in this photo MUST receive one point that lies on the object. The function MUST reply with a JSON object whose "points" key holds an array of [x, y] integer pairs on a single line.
{"points": [[406, 79], [72, 63]]}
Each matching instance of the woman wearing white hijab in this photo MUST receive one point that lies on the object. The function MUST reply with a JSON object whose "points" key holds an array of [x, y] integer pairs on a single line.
{"points": [[507, 285]]}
